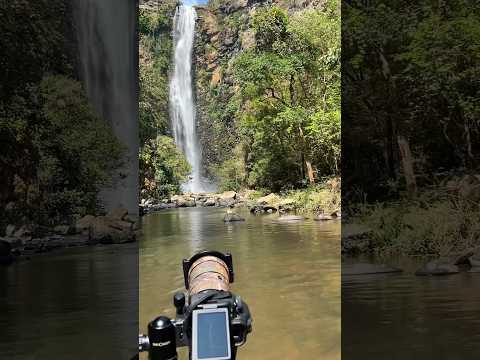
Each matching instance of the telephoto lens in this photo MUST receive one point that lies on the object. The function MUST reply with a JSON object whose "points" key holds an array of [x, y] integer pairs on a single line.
{"points": [[208, 273], [161, 334]]}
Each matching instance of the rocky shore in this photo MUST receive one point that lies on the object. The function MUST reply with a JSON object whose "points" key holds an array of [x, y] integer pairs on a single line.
{"points": [[271, 203], [117, 227]]}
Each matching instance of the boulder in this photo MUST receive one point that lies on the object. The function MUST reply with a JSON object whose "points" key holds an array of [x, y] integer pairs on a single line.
{"points": [[288, 219], [118, 213], [183, 201], [24, 232], [85, 223], [270, 199], [10, 230], [228, 198], [232, 217], [256, 209], [108, 231], [209, 202], [62, 229], [440, 266], [367, 269]]}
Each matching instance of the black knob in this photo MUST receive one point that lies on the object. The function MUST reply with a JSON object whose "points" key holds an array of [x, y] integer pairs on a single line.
{"points": [[161, 334], [179, 302]]}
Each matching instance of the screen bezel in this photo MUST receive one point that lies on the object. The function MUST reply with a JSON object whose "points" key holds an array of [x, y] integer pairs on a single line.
{"points": [[195, 333]]}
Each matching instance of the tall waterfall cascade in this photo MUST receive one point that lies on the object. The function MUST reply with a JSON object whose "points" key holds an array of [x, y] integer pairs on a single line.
{"points": [[108, 53], [182, 100]]}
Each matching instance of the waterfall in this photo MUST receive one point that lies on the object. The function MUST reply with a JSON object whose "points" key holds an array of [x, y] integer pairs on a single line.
{"points": [[182, 102], [108, 53]]}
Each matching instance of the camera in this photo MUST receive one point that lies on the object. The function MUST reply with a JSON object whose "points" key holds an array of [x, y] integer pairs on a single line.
{"points": [[210, 320]]}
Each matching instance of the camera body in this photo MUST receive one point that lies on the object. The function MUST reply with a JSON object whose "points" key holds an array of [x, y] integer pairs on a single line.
{"points": [[210, 320]]}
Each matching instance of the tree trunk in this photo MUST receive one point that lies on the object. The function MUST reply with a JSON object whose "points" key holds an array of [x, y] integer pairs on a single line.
{"points": [[310, 173], [407, 162]]}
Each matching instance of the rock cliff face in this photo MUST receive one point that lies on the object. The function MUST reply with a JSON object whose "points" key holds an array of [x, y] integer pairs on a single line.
{"points": [[223, 31]]}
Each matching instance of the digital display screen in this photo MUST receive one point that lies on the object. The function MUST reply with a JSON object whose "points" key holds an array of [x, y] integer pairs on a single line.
{"points": [[212, 334]]}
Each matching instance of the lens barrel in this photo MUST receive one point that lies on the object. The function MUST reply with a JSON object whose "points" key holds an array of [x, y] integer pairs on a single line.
{"points": [[161, 333], [208, 273]]}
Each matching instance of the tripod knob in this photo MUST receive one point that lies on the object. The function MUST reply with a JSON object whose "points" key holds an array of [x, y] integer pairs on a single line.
{"points": [[179, 302]]}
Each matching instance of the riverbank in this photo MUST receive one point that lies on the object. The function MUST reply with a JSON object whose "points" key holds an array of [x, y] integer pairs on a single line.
{"points": [[117, 227], [439, 225], [322, 200]]}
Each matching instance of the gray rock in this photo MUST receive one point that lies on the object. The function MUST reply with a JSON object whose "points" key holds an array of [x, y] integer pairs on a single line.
{"points": [[23, 232], [108, 231], [209, 202], [10, 230], [438, 267], [232, 217], [367, 269], [118, 213], [62, 229], [85, 223]]}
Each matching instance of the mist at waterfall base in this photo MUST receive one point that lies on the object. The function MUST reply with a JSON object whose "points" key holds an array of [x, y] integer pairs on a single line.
{"points": [[182, 101], [108, 67]]}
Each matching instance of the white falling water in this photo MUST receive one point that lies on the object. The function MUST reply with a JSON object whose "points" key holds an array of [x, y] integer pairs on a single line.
{"points": [[182, 102], [108, 49]]}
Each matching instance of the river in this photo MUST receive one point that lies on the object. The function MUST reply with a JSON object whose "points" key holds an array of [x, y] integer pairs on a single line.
{"points": [[288, 274], [402, 316], [73, 304]]}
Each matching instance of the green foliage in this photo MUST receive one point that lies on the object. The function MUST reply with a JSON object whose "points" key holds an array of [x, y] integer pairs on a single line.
{"points": [[270, 25], [410, 70], [289, 113], [163, 168], [320, 198], [231, 173], [33, 42], [56, 154], [68, 153], [434, 225]]}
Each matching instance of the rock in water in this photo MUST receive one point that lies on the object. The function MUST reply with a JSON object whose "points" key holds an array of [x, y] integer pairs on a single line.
{"points": [[367, 269], [232, 217], [438, 267]]}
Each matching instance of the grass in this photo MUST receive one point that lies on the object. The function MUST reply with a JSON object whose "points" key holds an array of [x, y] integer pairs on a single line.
{"points": [[436, 223], [324, 197]]}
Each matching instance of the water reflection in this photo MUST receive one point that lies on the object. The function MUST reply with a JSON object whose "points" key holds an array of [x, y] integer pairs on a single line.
{"points": [[288, 274], [401, 316], [75, 304]]}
